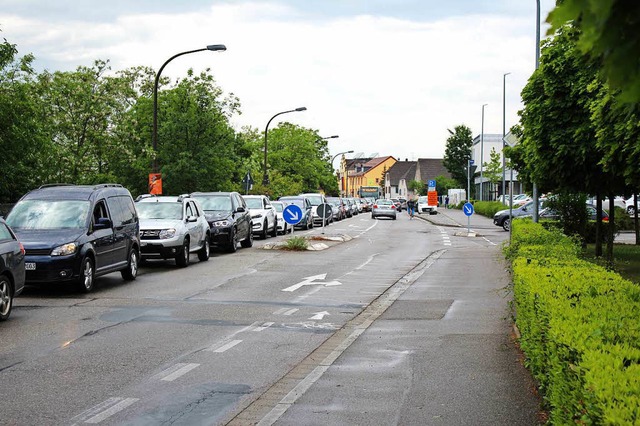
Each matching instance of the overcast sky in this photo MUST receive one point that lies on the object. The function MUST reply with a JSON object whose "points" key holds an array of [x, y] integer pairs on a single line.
{"points": [[388, 76]]}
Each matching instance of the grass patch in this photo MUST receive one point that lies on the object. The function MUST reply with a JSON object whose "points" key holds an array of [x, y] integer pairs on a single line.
{"points": [[296, 244], [626, 260]]}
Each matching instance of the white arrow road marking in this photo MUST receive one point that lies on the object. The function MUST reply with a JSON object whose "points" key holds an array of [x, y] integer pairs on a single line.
{"points": [[319, 315], [312, 281]]}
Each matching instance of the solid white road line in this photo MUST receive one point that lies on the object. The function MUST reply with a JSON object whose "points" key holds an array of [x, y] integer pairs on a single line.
{"points": [[263, 326], [227, 346], [104, 410]]}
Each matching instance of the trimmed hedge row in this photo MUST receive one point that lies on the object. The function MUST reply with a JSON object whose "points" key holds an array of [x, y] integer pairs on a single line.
{"points": [[488, 208], [580, 329]]}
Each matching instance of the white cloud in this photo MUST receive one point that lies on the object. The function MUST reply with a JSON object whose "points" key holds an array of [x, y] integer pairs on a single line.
{"points": [[385, 85]]}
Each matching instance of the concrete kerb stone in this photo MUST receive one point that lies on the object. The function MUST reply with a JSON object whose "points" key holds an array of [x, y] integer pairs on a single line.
{"points": [[443, 219], [317, 242]]}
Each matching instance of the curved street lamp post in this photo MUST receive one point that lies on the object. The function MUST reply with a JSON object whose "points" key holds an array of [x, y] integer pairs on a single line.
{"points": [[265, 175], [211, 47]]}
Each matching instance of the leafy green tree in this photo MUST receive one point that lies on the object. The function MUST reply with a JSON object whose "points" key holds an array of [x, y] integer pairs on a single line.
{"points": [[416, 186], [444, 184], [383, 179], [457, 153], [610, 34], [493, 169]]}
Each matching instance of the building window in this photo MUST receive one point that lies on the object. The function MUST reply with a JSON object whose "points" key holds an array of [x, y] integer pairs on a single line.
{"points": [[377, 180]]}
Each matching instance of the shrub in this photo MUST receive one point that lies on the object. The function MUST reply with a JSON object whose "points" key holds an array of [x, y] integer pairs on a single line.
{"points": [[488, 208], [296, 244], [579, 329]]}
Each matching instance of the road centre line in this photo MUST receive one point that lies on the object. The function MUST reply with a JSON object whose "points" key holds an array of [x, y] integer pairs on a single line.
{"points": [[366, 318], [226, 346], [104, 410], [291, 311], [177, 371], [264, 326], [280, 311], [366, 230]]}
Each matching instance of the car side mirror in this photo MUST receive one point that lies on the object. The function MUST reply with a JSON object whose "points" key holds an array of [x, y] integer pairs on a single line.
{"points": [[240, 210], [192, 218], [269, 207], [103, 223]]}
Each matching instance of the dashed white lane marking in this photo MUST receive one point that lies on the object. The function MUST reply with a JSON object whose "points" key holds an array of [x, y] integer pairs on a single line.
{"points": [[226, 346], [280, 311], [177, 371], [366, 230], [104, 410], [264, 326], [490, 242], [291, 311]]}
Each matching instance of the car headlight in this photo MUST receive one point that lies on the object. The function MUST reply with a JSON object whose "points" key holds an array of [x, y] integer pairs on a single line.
{"points": [[221, 223], [167, 233], [256, 216], [65, 249]]}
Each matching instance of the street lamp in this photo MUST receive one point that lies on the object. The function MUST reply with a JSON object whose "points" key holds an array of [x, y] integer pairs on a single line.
{"points": [[265, 176], [330, 137], [211, 47], [504, 106], [482, 150], [334, 157]]}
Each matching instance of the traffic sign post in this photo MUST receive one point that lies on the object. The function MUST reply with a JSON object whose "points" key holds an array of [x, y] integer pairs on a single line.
{"points": [[324, 211], [467, 209]]}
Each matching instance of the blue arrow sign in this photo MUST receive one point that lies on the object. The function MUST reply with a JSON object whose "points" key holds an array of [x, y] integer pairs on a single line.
{"points": [[292, 214], [467, 209]]}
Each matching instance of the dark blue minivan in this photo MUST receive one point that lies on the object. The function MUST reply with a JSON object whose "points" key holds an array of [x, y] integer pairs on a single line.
{"points": [[77, 232]]}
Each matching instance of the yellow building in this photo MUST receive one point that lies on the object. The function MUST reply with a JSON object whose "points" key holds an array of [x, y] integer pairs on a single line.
{"points": [[363, 172]]}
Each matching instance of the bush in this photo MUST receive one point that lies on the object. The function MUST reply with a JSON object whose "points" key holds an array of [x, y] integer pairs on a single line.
{"points": [[579, 329], [296, 244], [488, 208]]}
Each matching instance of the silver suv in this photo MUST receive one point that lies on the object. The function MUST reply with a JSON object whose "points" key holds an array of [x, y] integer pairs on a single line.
{"points": [[172, 228]]}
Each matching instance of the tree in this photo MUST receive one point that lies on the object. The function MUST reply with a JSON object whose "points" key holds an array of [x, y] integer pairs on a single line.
{"points": [[383, 180], [416, 186], [457, 153], [444, 184], [610, 34], [493, 169]]}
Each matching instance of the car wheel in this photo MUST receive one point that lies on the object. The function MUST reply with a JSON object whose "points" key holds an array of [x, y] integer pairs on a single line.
{"points": [[87, 275], [274, 233], [131, 271], [506, 224], [6, 298], [182, 258], [394, 218], [247, 242], [264, 234], [631, 210], [233, 244], [205, 251]]}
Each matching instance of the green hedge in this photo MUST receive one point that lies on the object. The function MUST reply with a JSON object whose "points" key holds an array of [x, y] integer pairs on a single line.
{"points": [[580, 329], [488, 208]]}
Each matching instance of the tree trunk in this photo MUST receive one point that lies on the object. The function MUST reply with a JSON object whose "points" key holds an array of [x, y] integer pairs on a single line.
{"points": [[635, 218], [611, 229], [598, 224]]}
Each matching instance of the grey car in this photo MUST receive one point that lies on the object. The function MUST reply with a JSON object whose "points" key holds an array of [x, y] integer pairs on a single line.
{"points": [[11, 269], [383, 208]]}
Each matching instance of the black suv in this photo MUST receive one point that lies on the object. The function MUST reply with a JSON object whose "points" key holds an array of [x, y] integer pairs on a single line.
{"points": [[228, 217], [77, 232]]}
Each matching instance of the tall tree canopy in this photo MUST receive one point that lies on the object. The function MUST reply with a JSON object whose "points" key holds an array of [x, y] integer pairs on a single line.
{"points": [[457, 152]]}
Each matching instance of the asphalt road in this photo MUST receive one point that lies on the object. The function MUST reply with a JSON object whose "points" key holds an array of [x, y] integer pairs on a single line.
{"points": [[200, 345]]}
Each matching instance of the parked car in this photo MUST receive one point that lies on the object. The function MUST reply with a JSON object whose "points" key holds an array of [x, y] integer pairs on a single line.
{"points": [[424, 207], [283, 226], [383, 208], [551, 214], [305, 205], [348, 207], [521, 199], [263, 215], [502, 218], [353, 206], [366, 205], [403, 203], [12, 274], [228, 217], [77, 232], [359, 205], [172, 228], [316, 198], [631, 208], [337, 208]]}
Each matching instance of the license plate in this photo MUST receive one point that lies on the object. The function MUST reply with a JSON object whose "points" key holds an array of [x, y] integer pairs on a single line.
{"points": [[30, 266]]}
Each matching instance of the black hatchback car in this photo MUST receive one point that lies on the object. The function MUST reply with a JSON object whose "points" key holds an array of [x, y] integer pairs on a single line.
{"points": [[11, 269], [77, 232], [229, 219]]}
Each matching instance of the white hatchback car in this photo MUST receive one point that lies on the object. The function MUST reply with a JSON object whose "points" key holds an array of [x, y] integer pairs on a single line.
{"points": [[172, 228], [263, 215], [283, 226]]}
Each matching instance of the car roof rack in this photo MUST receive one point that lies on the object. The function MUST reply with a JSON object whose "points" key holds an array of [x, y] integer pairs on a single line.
{"points": [[107, 185], [143, 196], [181, 197], [52, 185]]}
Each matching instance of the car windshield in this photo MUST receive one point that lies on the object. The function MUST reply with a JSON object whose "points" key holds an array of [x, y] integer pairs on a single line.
{"points": [[48, 214], [254, 203], [278, 206], [382, 202], [315, 200], [215, 203], [422, 199], [159, 210], [295, 201]]}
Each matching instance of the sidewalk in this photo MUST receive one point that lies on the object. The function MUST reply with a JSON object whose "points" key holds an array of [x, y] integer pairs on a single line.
{"points": [[442, 354]]}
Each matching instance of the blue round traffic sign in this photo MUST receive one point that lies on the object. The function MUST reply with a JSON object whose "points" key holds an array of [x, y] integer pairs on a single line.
{"points": [[467, 209], [292, 214]]}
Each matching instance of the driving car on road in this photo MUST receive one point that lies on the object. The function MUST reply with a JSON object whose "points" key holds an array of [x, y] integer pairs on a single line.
{"points": [[228, 217], [305, 205], [11, 269], [263, 215], [77, 232], [383, 208], [172, 228]]}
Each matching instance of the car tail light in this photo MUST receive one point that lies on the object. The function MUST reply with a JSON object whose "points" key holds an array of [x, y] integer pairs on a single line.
{"points": [[375, 206], [393, 206], [605, 219]]}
